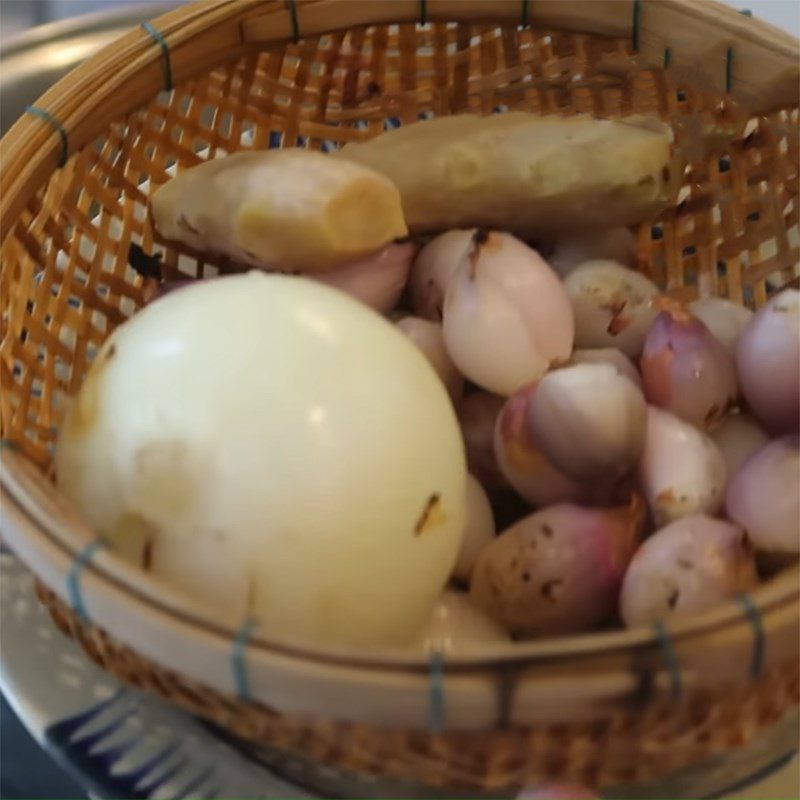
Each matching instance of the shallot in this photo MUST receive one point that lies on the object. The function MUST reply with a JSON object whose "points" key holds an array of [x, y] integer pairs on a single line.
{"points": [[608, 355], [612, 306], [681, 471], [686, 370], [589, 421], [522, 463], [427, 336], [768, 361], [738, 436], [558, 570], [507, 318], [458, 626], [764, 496], [725, 319], [691, 565], [477, 414], [433, 268], [478, 532], [377, 280]]}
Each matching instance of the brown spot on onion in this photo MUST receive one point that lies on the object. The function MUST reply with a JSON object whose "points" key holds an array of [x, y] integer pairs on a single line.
{"points": [[432, 515]]}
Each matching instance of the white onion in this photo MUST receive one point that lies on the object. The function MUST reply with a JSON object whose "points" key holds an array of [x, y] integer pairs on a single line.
{"points": [[458, 626], [507, 318], [288, 452], [478, 531], [609, 355], [726, 320], [589, 421], [558, 570], [681, 471], [612, 306], [570, 251], [689, 566], [433, 268], [427, 336], [768, 361], [738, 436], [686, 370], [377, 280], [764, 496], [522, 463]]}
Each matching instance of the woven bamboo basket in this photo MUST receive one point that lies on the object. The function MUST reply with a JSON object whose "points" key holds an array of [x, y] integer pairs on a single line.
{"points": [[609, 709]]}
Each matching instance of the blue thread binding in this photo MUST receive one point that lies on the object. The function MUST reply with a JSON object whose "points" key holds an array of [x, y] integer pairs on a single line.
{"points": [[436, 695], [635, 26], [238, 666], [81, 560], [162, 43], [291, 6], [54, 123], [754, 616], [670, 659]]}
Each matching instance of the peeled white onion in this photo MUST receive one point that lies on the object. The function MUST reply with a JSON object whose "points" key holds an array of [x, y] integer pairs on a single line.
{"points": [[686, 370], [691, 565], [570, 251], [478, 532], [458, 626], [523, 464], [427, 336], [507, 318], [280, 451], [608, 355], [738, 436], [558, 570], [478, 414], [768, 362], [433, 268], [725, 319], [764, 496], [589, 421], [612, 306], [377, 280], [681, 471]]}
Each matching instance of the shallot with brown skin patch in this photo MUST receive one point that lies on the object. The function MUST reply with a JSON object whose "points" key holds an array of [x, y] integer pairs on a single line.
{"points": [[690, 565], [686, 370], [558, 570]]}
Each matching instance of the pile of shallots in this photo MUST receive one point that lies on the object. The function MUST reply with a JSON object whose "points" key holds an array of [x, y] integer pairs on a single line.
{"points": [[642, 455], [631, 458]]}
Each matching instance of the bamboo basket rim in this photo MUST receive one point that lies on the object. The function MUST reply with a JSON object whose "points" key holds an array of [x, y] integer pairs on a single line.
{"points": [[772, 597]]}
